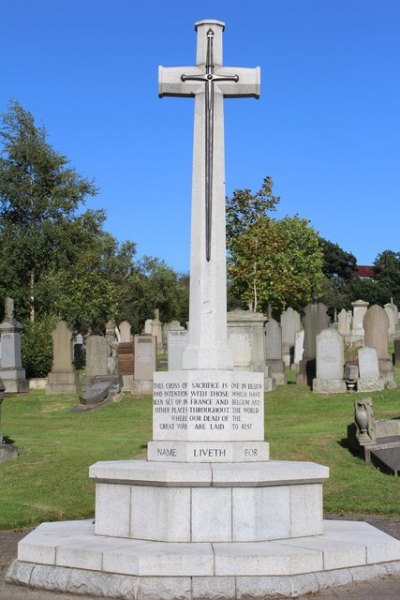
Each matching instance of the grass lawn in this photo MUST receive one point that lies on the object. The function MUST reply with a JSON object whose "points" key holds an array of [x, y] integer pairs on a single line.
{"points": [[49, 480]]}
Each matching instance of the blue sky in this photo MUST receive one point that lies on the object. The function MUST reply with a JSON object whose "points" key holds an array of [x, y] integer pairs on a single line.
{"points": [[326, 128]]}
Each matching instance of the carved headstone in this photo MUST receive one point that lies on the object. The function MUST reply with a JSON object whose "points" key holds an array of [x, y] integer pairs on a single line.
{"points": [[63, 378], [330, 363], [315, 319]]}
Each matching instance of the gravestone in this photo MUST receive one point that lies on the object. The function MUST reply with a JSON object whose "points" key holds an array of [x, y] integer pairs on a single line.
{"points": [[393, 316], [291, 324], [330, 363], [177, 343], [344, 323], [315, 319], [96, 358], [156, 330], [63, 378], [125, 331], [12, 372], [360, 307], [97, 369], [376, 327], [7, 450], [273, 351], [112, 345], [298, 347], [246, 339], [369, 379], [148, 327], [126, 365], [145, 354], [228, 519], [79, 352]]}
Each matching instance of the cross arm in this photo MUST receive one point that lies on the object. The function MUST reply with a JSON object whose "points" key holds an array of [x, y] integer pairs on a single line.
{"points": [[171, 84], [248, 84]]}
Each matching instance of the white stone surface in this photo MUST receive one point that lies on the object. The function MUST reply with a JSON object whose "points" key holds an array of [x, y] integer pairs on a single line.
{"points": [[168, 511], [208, 405], [207, 451], [211, 514], [176, 502], [208, 347], [113, 509], [347, 551], [274, 472], [260, 513]]}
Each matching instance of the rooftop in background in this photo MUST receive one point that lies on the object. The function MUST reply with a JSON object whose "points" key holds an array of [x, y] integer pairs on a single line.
{"points": [[364, 272]]}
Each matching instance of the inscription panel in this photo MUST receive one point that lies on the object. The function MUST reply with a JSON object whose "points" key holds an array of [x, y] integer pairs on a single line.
{"points": [[208, 405]]}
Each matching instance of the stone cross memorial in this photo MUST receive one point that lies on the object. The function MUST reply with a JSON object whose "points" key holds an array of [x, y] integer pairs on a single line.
{"points": [[207, 410], [207, 515]]}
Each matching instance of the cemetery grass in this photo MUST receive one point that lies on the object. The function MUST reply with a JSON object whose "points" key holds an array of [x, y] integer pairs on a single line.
{"points": [[49, 480]]}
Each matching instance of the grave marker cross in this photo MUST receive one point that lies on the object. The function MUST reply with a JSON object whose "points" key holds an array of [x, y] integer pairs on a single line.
{"points": [[209, 83]]}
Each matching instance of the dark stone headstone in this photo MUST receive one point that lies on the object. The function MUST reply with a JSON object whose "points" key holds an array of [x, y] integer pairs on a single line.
{"points": [[315, 319]]}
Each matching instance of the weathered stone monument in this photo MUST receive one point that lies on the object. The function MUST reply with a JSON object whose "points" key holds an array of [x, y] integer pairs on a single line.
{"points": [[63, 378], [330, 363], [291, 324], [315, 319], [273, 351], [176, 344], [207, 515], [344, 323], [246, 340], [360, 307], [370, 379], [145, 363], [7, 450], [156, 330], [376, 328], [11, 371]]}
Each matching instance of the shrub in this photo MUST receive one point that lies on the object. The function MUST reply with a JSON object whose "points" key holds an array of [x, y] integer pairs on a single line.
{"points": [[37, 346]]}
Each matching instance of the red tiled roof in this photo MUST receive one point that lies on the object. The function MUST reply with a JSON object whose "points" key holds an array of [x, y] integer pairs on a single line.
{"points": [[364, 271]]}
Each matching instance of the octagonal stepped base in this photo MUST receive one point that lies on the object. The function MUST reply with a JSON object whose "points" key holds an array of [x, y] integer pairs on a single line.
{"points": [[210, 502], [69, 557]]}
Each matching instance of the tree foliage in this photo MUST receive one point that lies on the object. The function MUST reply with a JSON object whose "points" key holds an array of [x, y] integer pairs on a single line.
{"points": [[337, 263], [275, 262]]}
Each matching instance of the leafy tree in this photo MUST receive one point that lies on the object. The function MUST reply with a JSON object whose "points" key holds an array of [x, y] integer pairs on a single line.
{"points": [[38, 191], [387, 269], [337, 263], [245, 208], [275, 262]]}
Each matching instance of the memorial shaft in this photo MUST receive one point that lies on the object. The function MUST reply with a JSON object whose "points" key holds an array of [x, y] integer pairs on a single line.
{"points": [[209, 82]]}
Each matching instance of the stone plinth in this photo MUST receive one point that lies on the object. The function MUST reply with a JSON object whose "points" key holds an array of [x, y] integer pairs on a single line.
{"points": [[62, 382], [69, 557], [208, 502]]}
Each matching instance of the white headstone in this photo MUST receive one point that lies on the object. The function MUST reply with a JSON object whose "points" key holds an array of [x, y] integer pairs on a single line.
{"points": [[177, 343], [368, 363], [330, 363]]}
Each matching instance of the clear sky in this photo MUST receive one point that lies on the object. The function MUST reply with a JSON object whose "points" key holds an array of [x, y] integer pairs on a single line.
{"points": [[326, 128]]}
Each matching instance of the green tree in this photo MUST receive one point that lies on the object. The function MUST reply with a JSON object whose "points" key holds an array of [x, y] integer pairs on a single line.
{"points": [[337, 263], [245, 208], [153, 284], [38, 191], [277, 263], [271, 261], [387, 275]]}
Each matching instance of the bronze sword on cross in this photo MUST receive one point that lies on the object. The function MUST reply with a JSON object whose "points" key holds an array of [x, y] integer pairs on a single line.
{"points": [[209, 77]]}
